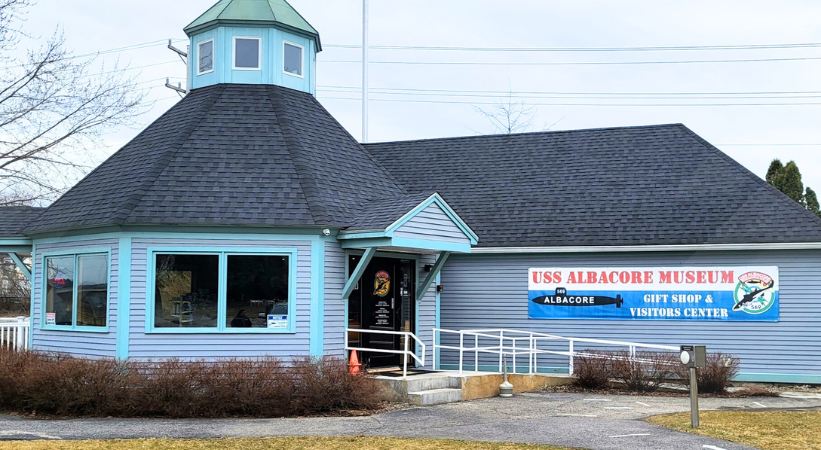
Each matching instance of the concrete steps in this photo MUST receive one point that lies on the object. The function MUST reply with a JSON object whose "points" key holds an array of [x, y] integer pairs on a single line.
{"points": [[435, 396]]}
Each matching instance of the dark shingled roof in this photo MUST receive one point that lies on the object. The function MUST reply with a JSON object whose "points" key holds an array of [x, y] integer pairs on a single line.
{"points": [[14, 218], [238, 155], [649, 185]]}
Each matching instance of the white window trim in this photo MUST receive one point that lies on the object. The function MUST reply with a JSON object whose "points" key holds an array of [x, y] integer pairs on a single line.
{"points": [[234, 51], [301, 59], [213, 56]]}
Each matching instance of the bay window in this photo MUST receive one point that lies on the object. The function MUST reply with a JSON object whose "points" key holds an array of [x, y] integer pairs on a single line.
{"points": [[223, 291]]}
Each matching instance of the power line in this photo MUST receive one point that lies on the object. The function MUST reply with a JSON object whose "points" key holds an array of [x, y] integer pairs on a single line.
{"points": [[108, 51], [587, 49], [457, 102], [577, 63], [414, 90]]}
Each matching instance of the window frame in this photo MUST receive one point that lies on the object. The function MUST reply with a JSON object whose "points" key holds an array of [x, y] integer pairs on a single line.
{"points": [[76, 253], [222, 288], [213, 56], [234, 53], [302, 59]]}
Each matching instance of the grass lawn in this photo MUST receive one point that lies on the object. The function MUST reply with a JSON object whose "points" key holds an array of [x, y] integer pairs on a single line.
{"points": [[286, 443], [779, 430]]}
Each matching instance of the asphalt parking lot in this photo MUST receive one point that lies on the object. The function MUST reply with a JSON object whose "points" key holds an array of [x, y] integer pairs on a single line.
{"points": [[567, 419]]}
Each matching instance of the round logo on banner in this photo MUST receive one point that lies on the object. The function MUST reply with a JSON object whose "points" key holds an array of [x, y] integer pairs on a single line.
{"points": [[754, 293], [381, 283]]}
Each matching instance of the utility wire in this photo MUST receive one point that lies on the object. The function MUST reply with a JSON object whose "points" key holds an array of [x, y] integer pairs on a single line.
{"points": [[587, 49], [414, 90], [576, 63], [458, 102]]}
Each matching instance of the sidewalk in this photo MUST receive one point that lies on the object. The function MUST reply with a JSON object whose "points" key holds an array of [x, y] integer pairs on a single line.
{"points": [[565, 419]]}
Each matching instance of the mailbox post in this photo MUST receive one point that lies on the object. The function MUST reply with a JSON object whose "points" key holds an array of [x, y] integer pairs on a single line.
{"points": [[694, 357]]}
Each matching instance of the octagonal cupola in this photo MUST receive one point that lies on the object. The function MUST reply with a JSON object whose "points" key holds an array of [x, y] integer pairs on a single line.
{"points": [[253, 42]]}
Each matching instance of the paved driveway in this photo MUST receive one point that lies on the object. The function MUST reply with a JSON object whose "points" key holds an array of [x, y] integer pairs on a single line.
{"points": [[575, 420]]}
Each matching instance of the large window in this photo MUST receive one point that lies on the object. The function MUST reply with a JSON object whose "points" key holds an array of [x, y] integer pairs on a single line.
{"points": [[76, 291], [246, 53], [292, 54], [205, 57], [223, 292]]}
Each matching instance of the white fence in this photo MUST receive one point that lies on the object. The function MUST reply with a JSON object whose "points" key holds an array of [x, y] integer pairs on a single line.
{"points": [[14, 333], [518, 343]]}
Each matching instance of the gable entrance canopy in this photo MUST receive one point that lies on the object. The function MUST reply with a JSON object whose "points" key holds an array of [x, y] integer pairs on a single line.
{"points": [[421, 223]]}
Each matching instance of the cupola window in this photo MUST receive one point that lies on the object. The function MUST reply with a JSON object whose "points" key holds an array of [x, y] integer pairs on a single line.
{"points": [[205, 56], [246, 53], [292, 53]]}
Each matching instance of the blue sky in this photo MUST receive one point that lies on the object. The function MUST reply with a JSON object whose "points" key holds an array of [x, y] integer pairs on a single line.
{"points": [[765, 131]]}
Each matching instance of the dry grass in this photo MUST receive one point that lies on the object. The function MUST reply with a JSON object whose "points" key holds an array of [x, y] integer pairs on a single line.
{"points": [[776, 430], [287, 443]]}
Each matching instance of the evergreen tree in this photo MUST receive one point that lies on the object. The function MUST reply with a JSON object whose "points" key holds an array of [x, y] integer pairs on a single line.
{"points": [[812, 202], [773, 173], [790, 180]]}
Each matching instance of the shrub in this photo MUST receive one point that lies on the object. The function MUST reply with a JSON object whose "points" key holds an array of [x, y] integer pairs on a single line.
{"points": [[592, 370], [644, 372], [717, 376], [58, 385]]}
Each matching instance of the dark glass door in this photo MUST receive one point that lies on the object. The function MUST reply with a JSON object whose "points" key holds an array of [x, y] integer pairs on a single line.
{"points": [[382, 301]]}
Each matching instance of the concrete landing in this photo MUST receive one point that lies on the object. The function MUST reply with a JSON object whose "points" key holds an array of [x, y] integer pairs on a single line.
{"points": [[436, 388]]}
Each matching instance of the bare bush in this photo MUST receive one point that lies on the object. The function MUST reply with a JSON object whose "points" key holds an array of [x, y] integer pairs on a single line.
{"points": [[645, 371], [592, 370], [717, 376], [36, 383]]}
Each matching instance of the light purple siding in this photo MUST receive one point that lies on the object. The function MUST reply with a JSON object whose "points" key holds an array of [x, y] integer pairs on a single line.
{"points": [[75, 342]]}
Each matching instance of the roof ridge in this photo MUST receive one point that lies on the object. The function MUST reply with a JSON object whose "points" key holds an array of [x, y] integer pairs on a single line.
{"points": [[310, 194], [763, 183], [528, 133], [161, 163]]}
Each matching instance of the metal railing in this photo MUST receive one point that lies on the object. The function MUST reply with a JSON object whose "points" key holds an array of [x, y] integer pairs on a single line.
{"points": [[506, 342], [14, 333], [405, 352]]}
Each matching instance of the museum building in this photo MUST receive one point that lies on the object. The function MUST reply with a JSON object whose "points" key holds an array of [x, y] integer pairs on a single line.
{"points": [[247, 222]]}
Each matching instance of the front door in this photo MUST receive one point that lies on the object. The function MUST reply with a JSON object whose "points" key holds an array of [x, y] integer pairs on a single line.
{"points": [[383, 302]]}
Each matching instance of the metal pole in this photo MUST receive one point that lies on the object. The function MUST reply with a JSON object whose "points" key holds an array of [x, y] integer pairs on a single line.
{"points": [[693, 398], [570, 351], [501, 349], [461, 350], [476, 353], [364, 71]]}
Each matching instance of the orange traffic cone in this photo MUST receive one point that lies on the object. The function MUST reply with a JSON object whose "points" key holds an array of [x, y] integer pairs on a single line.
{"points": [[354, 367]]}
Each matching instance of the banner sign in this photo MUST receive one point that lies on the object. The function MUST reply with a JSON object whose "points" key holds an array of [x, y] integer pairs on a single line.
{"points": [[738, 293]]}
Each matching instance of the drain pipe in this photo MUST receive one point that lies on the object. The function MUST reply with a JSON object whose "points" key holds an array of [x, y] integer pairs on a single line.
{"points": [[505, 389]]}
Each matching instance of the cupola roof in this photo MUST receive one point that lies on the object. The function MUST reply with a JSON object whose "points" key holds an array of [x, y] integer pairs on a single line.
{"points": [[277, 13]]}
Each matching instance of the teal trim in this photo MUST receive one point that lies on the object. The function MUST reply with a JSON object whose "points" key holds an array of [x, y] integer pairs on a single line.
{"points": [[123, 297], [223, 253], [778, 378], [317, 319], [357, 272], [15, 242], [225, 233], [32, 299], [19, 263], [363, 235], [437, 266], [408, 243], [439, 201], [437, 317], [76, 253]]}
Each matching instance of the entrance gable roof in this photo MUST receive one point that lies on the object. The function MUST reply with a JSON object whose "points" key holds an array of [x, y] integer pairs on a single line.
{"points": [[422, 220]]}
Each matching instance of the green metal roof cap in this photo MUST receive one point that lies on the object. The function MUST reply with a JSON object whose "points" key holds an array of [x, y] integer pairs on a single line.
{"points": [[254, 12]]}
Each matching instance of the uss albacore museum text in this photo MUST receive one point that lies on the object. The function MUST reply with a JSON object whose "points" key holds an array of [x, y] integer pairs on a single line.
{"points": [[247, 222]]}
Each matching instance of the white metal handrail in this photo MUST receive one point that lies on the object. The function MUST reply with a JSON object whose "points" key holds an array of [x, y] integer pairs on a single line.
{"points": [[405, 352], [508, 345], [14, 333]]}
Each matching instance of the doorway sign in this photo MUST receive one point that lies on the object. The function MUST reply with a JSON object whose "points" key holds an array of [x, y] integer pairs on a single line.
{"points": [[720, 293]]}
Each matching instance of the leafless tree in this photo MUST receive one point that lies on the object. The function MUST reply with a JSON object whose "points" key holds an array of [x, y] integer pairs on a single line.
{"points": [[53, 107], [510, 116]]}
